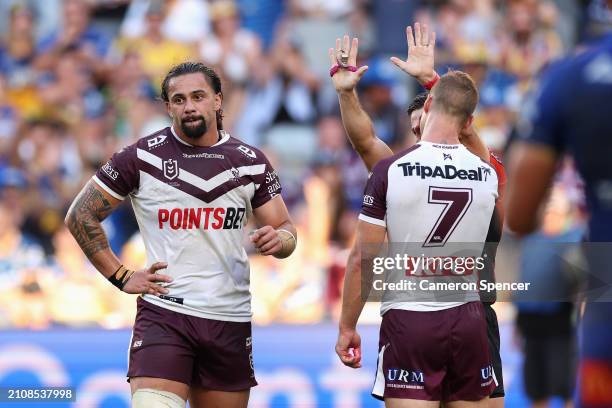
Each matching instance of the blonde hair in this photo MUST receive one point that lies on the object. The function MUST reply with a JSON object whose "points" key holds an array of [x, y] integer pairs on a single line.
{"points": [[455, 94]]}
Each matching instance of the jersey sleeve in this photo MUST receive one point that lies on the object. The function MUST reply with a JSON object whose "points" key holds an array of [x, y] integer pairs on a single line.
{"points": [[501, 184], [267, 185], [120, 175], [374, 207], [542, 116]]}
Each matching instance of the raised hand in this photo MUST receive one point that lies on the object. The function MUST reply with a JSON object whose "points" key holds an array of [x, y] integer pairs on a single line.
{"points": [[345, 79], [420, 60], [145, 281]]}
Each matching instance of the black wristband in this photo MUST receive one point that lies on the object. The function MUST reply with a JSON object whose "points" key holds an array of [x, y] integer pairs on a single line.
{"points": [[120, 277]]}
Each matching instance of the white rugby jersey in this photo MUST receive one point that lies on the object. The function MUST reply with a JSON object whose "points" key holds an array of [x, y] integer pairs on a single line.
{"points": [[433, 199], [191, 204]]}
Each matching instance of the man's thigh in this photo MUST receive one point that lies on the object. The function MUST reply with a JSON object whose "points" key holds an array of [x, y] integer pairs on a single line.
{"points": [[201, 398], [162, 346]]}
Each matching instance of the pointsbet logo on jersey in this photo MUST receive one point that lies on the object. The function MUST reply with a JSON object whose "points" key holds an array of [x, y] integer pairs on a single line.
{"points": [[201, 218], [447, 172]]}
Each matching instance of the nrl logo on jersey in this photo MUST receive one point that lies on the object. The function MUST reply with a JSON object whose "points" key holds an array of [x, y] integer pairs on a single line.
{"points": [[156, 141], [246, 151], [449, 172], [170, 168]]}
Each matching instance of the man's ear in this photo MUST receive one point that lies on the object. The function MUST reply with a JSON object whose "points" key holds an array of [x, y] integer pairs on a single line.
{"points": [[218, 101], [427, 105], [168, 109], [468, 123]]}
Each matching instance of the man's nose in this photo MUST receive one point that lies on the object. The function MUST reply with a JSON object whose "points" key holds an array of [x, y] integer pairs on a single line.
{"points": [[189, 106]]}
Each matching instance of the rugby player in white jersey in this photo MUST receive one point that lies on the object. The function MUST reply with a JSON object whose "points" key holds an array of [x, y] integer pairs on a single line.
{"points": [[420, 65], [429, 351], [192, 187]]}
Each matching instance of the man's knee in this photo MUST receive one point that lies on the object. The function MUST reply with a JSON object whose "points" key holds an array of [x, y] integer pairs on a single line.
{"points": [[150, 398]]}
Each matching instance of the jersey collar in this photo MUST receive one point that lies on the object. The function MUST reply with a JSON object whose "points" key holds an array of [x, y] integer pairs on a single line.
{"points": [[224, 138]]}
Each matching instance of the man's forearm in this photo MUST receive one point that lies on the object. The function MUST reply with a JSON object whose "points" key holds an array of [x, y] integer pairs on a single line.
{"points": [[84, 222], [352, 299], [356, 121], [360, 130]]}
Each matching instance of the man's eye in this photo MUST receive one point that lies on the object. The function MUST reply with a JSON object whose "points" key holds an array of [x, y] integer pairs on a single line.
{"points": [[178, 100], [198, 97]]}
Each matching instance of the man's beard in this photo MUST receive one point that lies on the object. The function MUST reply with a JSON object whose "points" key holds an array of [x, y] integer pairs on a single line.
{"points": [[194, 132]]}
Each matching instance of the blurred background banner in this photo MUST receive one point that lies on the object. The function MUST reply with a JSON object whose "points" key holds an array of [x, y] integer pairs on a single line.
{"points": [[296, 366]]}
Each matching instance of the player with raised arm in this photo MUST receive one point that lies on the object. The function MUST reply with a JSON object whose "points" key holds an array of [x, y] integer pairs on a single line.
{"points": [[418, 364], [192, 186], [420, 65], [570, 112]]}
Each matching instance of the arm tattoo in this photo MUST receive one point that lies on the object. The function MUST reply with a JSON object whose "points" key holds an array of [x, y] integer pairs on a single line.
{"points": [[85, 215]]}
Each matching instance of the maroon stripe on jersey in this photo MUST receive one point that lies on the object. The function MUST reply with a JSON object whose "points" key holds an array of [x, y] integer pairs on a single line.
{"points": [[187, 188], [406, 151]]}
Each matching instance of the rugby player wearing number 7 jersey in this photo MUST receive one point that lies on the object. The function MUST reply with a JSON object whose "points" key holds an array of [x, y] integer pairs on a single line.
{"points": [[420, 64]]}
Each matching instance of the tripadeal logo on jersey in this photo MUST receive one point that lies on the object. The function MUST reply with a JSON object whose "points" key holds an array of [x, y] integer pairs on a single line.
{"points": [[201, 218], [448, 171]]}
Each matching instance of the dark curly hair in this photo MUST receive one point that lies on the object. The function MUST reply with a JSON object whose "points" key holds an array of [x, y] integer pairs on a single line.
{"points": [[191, 68]]}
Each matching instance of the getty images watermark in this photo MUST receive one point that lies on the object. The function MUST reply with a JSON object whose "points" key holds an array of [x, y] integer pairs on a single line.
{"points": [[453, 272], [534, 269], [429, 270]]}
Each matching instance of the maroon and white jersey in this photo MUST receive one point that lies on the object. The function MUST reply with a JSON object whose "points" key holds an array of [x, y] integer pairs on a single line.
{"points": [[433, 199], [191, 204]]}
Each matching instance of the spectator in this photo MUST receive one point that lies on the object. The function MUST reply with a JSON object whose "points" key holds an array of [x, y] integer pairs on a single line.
{"points": [[17, 50], [76, 33], [18, 252], [185, 21], [157, 52], [234, 51], [9, 121]]}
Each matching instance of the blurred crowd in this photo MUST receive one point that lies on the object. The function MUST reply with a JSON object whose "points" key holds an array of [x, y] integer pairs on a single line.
{"points": [[80, 79]]}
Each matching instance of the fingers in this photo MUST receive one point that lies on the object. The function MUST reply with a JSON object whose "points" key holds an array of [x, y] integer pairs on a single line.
{"points": [[271, 246], [396, 61], [399, 63], [156, 290], [346, 43], [409, 37], [257, 238], [332, 57], [425, 35], [349, 359], [157, 266], [352, 60], [362, 70], [266, 240], [157, 277], [417, 34], [338, 46], [421, 38]]}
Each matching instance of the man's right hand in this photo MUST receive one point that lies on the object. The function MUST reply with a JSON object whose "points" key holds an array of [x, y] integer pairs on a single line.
{"points": [[345, 80], [144, 281], [420, 60]]}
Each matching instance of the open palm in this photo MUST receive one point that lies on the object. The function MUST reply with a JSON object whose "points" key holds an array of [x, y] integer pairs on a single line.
{"points": [[420, 60]]}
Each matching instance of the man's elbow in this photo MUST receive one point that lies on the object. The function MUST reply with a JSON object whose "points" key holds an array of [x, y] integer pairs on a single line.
{"points": [[69, 219], [518, 224]]}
